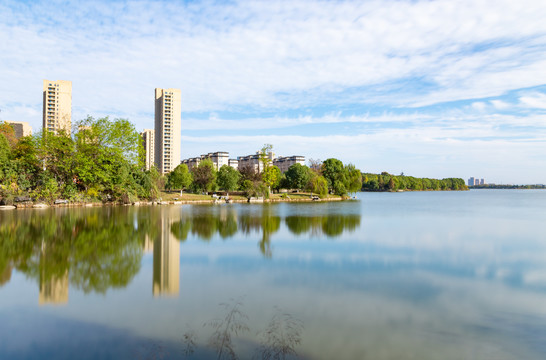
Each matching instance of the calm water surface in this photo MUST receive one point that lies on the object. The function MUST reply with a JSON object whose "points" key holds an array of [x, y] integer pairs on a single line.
{"points": [[424, 275]]}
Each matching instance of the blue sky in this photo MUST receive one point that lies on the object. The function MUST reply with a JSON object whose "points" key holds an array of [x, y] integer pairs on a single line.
{"points": [[430, 88]]}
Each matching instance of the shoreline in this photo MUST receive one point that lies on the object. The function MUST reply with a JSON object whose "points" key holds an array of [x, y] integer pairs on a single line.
{"points": [[164, 203]]}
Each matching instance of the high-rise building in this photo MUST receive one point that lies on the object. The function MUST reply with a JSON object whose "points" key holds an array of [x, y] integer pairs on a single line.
{"points": [[148, 142], [21, 128], [167, 129], [57, 109]]}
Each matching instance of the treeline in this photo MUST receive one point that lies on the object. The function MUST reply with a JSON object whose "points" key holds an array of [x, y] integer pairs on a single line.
{"points": [[103, 160], [499, 186], [330, 176], [388, 182]]}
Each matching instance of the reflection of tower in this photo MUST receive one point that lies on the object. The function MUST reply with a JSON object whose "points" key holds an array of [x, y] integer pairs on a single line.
{"points": [[148, 245], [54, 290], [166, 261]]}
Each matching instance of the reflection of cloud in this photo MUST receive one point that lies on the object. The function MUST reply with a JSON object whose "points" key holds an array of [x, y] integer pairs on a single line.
{"points": [[535, 278]]}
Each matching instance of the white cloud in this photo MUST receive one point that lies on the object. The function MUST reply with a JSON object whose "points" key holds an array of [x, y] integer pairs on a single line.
{"points": [[534, 100], [245, 57], [500, 105]]}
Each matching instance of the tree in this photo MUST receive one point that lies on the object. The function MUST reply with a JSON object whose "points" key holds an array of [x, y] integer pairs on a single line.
{"points": [[354, 179], [204, 176], [297, 176], [317, 184], [57, 156], [5, 151], [336, 175], [7, 130], [107, 155], [179, 178], [271, 175], [228, 178]]}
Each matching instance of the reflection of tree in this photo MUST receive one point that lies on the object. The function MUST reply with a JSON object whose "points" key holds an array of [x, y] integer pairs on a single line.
{"points": [[97, 248], [299, 224], [204, 225], [330, 225], [227, 226], [180, 229], [5, 274], [270, 225]]}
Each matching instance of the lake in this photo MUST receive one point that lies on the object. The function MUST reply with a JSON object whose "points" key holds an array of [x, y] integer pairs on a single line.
{"points": [[415, 275]]}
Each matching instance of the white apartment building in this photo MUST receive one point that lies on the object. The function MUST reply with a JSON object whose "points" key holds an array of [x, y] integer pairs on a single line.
{"points": [[219, 159], [57, 105], [148, 142], [253, 161], [234, 163], [191, 162], [167, 129], [284, 162]]}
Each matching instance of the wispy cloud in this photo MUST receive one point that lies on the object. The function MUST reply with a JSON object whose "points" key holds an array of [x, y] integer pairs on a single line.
{"points": [[259, 60]]}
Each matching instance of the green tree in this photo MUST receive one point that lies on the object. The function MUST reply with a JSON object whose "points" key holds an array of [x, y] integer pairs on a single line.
{"points": [[5, 151], [271, 175], [317, 184], [57, 156], [297, 176], [108, 156], [7, 130], [353, 178], [179, 178], [336, 175], [204, 176], [228, 178]]}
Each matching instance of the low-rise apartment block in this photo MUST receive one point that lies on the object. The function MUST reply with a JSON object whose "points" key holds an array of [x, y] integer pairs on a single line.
{"points": [[219, 159], [253, 161], [234, 163], [21, 128], [284, 162]]}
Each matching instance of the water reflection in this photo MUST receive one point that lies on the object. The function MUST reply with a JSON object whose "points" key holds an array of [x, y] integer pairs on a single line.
{"points": [[89, 249], [97, 249], [332, 225], [166, 251]]}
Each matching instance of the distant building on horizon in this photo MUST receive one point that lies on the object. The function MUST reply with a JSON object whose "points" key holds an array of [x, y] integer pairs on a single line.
{"points": [[148, 142], [21, 128], [168, 121], [57, 106], [475, 181]]}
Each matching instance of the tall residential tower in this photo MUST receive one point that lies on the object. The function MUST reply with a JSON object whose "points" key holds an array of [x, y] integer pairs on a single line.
{"points": [[57, 109], [167, 129]]}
